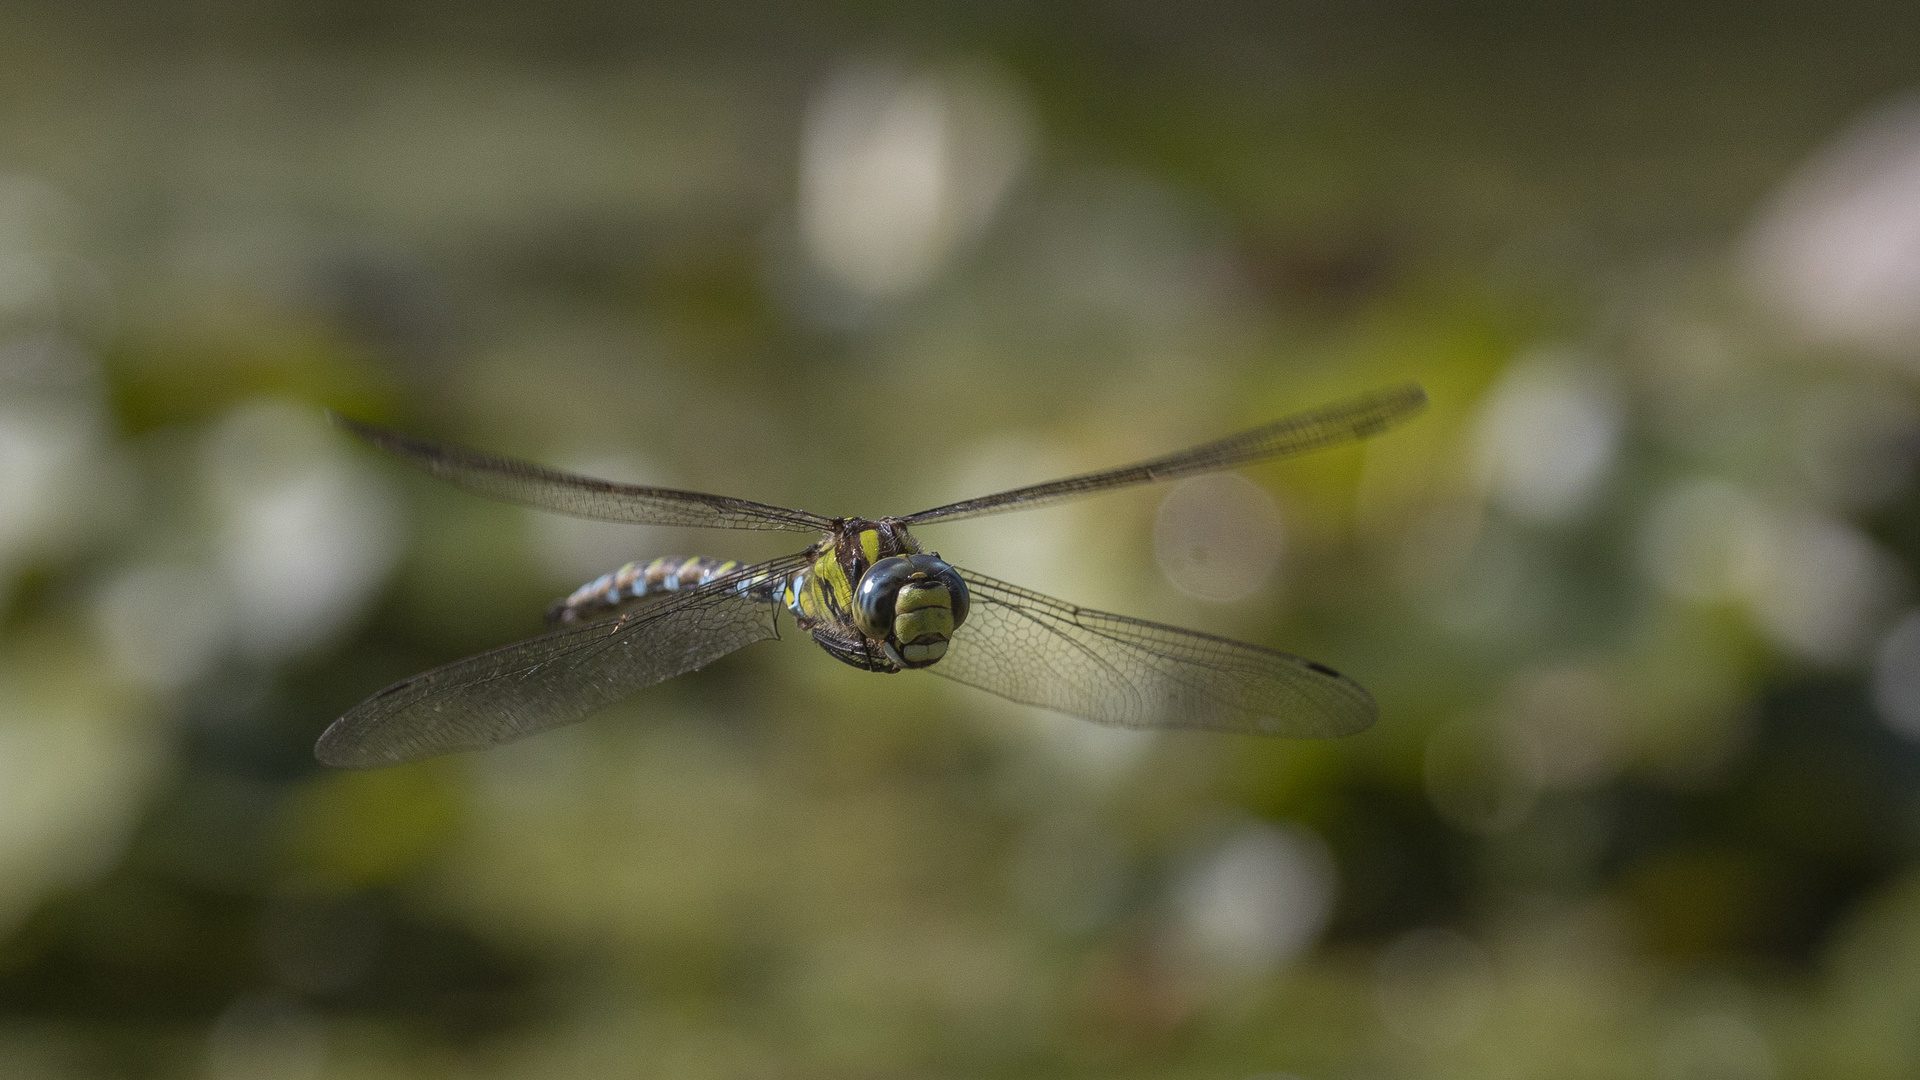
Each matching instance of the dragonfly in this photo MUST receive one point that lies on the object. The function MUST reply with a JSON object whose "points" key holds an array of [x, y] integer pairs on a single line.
{"points": [[871, 595]]}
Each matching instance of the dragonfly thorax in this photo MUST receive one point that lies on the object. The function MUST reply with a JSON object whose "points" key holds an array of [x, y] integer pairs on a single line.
{"points": [[873, 598], [911, 605]]}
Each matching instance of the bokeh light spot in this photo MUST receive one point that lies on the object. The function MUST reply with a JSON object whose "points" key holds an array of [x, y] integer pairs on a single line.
{"points": [[1548, 434], [305, 533], [1258, 899], [1838, 251], [1218, 537], [896, 170]]}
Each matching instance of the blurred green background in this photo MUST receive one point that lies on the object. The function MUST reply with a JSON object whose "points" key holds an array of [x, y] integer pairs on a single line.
{"points": [[1635, 594]]}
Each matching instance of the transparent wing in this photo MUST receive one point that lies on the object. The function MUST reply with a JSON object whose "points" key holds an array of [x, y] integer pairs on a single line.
{"points": [[1331, 425], [550, 489], [557, 678], [1130, 673]]}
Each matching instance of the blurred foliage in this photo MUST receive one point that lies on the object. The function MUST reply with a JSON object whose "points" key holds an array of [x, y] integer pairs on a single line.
{"points": [[1634, 594]]}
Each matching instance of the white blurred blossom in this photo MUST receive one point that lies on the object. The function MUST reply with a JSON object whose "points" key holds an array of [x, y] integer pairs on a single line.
{"points": [[1817, 585], [1701, 539], [1838, 249], [163, 623], [58, 474], [46, 452], [304, 532], [1258, 900], [1822, 588], [897, 170], [1547, 436]]}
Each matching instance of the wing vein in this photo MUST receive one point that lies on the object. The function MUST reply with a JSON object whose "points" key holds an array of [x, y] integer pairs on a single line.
{"points": [[1034, 649], [556, 678], [1346, 421], [542, 488]]}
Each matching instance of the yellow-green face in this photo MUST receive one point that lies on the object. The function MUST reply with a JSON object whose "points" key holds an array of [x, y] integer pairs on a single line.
{"points": [[922, 622], [911, 604]]}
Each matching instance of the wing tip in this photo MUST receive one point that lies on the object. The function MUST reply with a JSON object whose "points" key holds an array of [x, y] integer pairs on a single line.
{"points": [[1393, 405], [1365, 711], [371, 434], [340, 747], [338, 752]]}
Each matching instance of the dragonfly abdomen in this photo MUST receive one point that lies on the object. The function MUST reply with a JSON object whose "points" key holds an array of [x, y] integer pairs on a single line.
{"points": [[668, 574]]}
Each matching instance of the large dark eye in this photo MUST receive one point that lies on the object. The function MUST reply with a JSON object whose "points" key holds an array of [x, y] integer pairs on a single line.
{"points": [[880, 586], [956, 587], [873, 600]]}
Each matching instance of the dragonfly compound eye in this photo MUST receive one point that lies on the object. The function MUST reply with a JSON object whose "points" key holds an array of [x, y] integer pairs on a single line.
{"points": [[911, 604]]}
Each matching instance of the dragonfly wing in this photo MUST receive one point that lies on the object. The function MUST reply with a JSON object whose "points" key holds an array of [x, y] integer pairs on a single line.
{"points": [[1342, 422], [582, 496], [1131, 673], [557, 678]]}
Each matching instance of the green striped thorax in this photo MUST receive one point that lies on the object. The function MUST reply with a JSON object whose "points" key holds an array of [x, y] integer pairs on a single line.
{"points": [[911, 604]]}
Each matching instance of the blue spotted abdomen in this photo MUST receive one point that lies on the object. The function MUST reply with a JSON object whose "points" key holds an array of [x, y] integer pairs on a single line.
{"points": [[600, 597]]}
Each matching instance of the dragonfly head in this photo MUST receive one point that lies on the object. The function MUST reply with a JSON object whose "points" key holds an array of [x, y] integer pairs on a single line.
{"points": [[911, 604]]}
